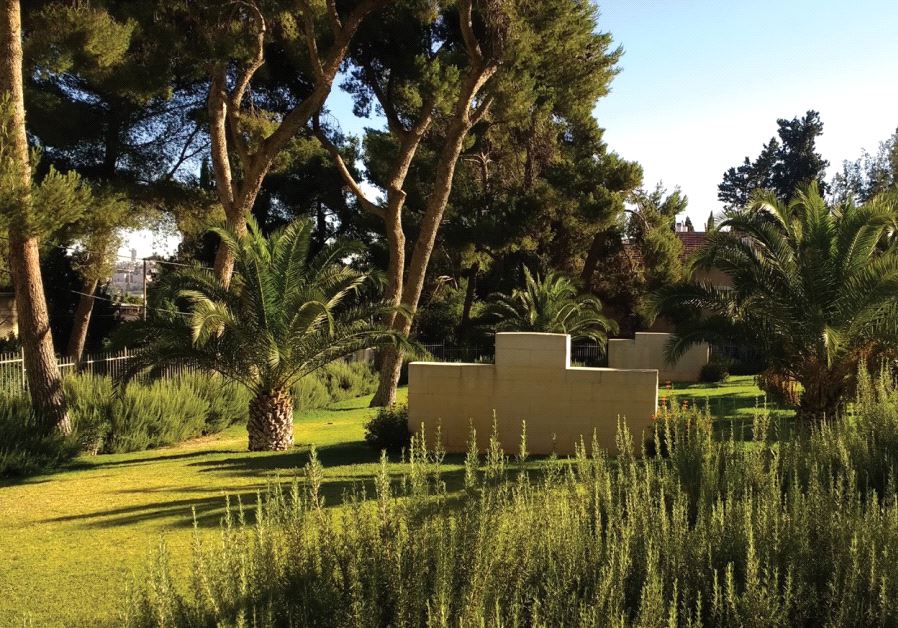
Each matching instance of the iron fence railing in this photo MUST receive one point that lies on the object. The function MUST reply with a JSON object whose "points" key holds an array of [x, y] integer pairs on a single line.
{"points": [[582, 353], [14, 377]]}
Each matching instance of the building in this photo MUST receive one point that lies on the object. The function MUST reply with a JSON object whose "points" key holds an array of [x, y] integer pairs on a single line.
{"points": [[693, 241], [127, 278]]}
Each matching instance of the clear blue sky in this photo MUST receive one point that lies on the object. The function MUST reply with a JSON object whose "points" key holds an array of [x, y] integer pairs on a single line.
{"points": [[703, 82]]}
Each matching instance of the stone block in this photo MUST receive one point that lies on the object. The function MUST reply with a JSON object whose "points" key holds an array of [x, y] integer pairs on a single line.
{"points": [[531, 381]]}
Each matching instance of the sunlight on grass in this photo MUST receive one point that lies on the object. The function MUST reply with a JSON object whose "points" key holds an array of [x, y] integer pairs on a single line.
{"points": [[75, 539]]}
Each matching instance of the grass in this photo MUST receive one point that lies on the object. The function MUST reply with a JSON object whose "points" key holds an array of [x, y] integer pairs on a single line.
{"points": [[734, 404], [74, 540]]}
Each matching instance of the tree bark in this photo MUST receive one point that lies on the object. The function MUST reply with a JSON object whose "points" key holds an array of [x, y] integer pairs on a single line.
{"points": [[453, 143], [391, 215], [238, 193], [270, 426], [469, 297], [81, 322], [592, 260], [42, 371]]}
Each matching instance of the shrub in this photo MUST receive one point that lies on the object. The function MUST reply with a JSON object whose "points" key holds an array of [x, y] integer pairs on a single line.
{"points": [[714, 373], [310, 392], [715, 533], [335, 382], [151, 415], [24, 449], [228, 402], [89, 398], [388, 429], [145, 415]]}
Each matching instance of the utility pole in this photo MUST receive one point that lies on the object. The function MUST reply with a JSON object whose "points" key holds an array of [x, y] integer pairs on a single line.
{"points": [[145, 304]]}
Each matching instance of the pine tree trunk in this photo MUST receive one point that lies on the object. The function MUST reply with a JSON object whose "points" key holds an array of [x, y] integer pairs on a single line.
{"points": [[270, 426], [470, 289], [390, 360], [238, 189], [44, 380], [592, 260], [81, 322], [453, 144]]}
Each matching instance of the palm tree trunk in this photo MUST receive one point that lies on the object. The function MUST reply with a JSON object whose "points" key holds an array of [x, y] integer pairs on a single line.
{"points": [[44, 380], [81, 323], [821, 398], [270, 425]]}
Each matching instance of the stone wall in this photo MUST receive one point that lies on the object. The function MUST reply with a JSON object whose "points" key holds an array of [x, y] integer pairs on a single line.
{"points": [[646, 351], [533, 381]]}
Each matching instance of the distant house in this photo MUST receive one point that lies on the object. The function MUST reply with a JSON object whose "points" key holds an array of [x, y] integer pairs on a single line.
{"points": [[127, 277], [9, 322], [693, 241]]}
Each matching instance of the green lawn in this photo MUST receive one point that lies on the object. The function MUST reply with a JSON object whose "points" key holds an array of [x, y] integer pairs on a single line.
{"points": [[72, 541], [733, 404]]}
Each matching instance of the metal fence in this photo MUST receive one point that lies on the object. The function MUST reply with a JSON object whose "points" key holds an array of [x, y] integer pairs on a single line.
{"points": [[13, 376], [582, 353]]}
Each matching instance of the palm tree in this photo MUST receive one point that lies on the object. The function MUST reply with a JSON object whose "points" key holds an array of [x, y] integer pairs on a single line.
{"points": [[815, 290], [550, 304], [282, 316]]}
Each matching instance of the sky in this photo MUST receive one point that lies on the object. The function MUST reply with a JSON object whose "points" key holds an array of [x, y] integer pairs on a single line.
{"points": [[703, 82]]}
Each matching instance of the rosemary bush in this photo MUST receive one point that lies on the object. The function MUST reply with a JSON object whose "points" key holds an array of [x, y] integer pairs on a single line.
{"points": [[714, 533], [24, 448], [153, 414], [388, 429], [335, 382]]}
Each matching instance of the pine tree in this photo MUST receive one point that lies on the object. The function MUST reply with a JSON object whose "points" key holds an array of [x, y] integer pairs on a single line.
{"points": [[28, 212], [524, 62], [783, 166]]}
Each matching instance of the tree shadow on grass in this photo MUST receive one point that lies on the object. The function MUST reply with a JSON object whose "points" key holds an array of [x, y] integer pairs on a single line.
{"points": [[208, 511], [162, 457], [338, 455]]}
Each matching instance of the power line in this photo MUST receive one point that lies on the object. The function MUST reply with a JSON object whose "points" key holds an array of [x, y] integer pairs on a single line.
{"points": [[139, 305], [128, 257]]}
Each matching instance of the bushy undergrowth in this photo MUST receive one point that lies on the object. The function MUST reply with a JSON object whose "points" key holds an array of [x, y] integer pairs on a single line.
{"points": [[146, 415], [24, 449], [715, 533], [153, 414], [388, 430], [714, 373], [143, 416], [337, 381]]}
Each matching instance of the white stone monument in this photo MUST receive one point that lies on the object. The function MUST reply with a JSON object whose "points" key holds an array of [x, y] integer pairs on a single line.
{"points": [[533, 381]]}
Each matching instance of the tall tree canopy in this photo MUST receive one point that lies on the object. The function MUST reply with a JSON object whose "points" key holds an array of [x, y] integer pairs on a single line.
{"points": [[784, 165], [463, 88], [110, 97], [869, 175]]}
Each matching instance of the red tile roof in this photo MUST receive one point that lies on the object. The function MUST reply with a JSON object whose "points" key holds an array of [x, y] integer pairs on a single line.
{"points": [[692, 241]]}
